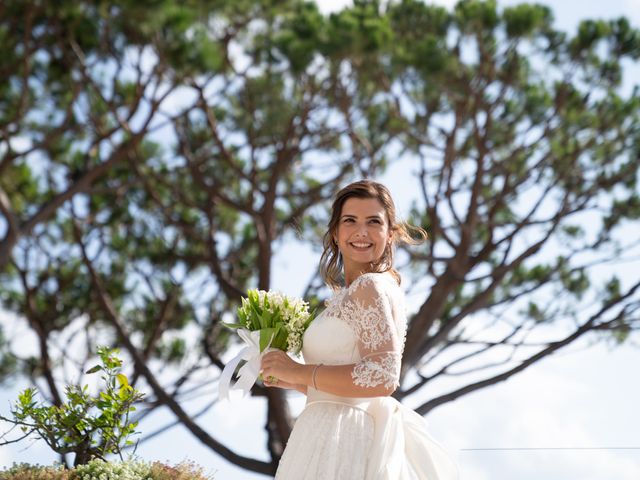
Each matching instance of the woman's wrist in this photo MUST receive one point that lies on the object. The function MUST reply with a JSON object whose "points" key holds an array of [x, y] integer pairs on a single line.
{"points": [[314, 380], [304, 374]]}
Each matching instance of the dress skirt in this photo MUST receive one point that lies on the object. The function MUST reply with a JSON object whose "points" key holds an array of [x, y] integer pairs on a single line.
{"points": [[373, 439], [330, 441]]}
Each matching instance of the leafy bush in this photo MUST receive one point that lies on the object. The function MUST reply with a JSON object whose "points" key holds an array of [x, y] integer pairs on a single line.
{"points": [[183, 471], [101, 470], [89, 426], [24, 471]]}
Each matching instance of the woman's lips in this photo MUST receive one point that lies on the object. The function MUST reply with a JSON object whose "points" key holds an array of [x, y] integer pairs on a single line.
{"points": [[361, 246]]}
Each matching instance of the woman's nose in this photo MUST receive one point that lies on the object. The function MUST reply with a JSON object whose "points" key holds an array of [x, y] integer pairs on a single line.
{"points": [[361, 231]]}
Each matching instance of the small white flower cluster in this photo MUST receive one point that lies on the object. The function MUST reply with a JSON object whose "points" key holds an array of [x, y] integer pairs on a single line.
{"points": [[100, 470], [295, 317], [292, 312]]}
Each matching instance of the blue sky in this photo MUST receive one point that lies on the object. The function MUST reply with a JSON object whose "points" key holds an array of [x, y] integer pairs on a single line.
{"points": [[585, 396]]}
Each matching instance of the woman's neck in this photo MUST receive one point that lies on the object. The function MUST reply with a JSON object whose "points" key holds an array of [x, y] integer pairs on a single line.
{"points": [[352, 274]]}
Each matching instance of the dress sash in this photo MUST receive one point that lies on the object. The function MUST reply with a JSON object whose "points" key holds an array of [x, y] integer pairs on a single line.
{"points": [[402, 448]]}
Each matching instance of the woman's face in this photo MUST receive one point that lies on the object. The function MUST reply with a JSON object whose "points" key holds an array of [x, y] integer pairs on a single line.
{"points": [[363, 232]]}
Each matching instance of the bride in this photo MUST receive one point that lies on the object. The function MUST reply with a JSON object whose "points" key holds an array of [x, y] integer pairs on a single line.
{"points": [[351, 428]]}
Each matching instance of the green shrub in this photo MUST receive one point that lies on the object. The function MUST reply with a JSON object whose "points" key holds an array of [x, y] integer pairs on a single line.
{"points": [[100, 470], [183, 471], [88, 426], [24, 471]]}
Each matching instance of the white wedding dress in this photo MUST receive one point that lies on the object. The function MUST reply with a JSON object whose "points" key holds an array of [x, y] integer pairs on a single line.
{"points": [[374, 438]]}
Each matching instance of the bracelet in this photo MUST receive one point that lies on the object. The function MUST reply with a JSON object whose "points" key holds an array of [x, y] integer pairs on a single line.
{"points": [[313, 375]]}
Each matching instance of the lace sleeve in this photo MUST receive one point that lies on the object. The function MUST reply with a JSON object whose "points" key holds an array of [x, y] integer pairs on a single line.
{"points": [[368, 310]]}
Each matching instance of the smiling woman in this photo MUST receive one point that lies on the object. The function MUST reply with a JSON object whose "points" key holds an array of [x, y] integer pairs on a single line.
{"points": [[362, 234], [351, 429]]}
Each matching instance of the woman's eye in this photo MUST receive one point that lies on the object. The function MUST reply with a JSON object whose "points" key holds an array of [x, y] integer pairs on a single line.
{"points": [[375, 220], [348, 220]]}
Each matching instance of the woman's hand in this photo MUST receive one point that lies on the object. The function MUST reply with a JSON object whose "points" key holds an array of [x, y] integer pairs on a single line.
{"points": [[279, 370], [282, 384]]}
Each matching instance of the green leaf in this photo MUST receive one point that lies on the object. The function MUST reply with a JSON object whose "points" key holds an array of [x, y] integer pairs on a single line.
{"points": [[266, 335], [122, 378], [265, 319], [233, 325]]}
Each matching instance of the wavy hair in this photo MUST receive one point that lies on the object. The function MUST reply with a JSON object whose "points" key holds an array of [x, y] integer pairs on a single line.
{"points": [[331, 262]]}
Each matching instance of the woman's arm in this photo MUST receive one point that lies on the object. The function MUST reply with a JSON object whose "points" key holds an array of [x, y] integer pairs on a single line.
{"points": [[339, 380], [342, 380]]}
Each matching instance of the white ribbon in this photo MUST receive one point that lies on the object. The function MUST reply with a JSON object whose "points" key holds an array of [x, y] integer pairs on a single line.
{"points": [[248, 373]]}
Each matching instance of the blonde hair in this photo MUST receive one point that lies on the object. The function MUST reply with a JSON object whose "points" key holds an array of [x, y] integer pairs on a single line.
{"points": [[331, 263]]}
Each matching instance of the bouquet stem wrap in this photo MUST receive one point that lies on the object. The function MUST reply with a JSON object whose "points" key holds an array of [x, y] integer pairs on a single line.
{"points": [[248, 373]]}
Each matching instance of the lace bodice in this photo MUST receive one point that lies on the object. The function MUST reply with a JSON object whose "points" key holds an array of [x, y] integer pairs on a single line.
{"points": [[364, 325]]}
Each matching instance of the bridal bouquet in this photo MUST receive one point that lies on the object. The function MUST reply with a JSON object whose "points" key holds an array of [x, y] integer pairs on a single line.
{"points": [[265, 320]]}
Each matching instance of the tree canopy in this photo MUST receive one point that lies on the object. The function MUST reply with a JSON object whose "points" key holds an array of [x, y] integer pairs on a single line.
{"points": [[154, 153]]}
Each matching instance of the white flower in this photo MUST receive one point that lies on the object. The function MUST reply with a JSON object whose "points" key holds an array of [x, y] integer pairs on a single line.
{"points": [[270, 309]]}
